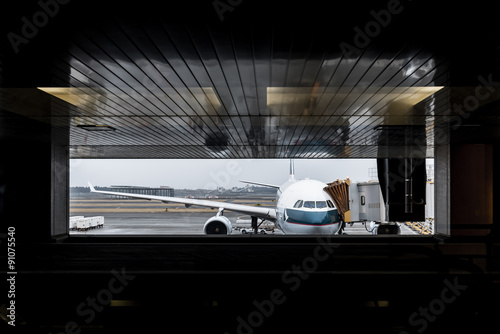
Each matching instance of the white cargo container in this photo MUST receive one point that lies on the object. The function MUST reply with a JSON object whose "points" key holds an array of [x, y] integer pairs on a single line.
{"points": [[83, 224], [100, 221], [73, 221], [93, 222]]}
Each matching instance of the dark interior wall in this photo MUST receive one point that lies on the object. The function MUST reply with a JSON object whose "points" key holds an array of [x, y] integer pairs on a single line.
{"points": [[471, 188], [496, 190], [25, 177], [34, 157], [34, 179]]}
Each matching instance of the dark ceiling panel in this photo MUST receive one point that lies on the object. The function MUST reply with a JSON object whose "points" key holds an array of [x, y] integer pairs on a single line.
{"points": [[268, 81]]}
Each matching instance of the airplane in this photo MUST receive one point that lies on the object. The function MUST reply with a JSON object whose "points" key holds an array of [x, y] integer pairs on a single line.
{"points": [[302, 207]]}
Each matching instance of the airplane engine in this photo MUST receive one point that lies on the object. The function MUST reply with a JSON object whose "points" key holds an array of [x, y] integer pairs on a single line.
{"points": [[218, 225]]}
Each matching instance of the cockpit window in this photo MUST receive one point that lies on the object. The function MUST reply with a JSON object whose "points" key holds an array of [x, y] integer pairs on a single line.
{"points": [[309, 204], [321, 204], [298, 204], [313, 204]]}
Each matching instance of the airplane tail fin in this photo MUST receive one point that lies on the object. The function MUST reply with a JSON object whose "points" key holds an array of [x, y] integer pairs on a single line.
{"points": [[92, 189], [292, 178], [292, 170]]}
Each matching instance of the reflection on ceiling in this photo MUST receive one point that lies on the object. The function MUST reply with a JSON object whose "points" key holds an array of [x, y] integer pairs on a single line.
{"points": [[197, 87]]}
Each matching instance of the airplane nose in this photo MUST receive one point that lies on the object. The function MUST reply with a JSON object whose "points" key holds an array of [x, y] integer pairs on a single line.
{"points": [[315, 218], [320, 218]]}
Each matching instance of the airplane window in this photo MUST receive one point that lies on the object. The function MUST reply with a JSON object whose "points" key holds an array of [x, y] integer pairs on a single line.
{"points": [[321, 204], [330, 204], [298, 204], [309, 204]]}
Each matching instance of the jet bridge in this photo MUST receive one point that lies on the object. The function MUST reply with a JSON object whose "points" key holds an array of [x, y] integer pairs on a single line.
{"points": [[366, 202], [357, 202]]}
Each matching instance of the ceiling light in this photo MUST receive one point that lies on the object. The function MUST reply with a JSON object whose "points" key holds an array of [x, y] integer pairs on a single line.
{"points": [[380, 96], [94, 97]]}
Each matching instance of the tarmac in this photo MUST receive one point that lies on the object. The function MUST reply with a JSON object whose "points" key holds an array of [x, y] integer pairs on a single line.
{"points": [[136, 217]]}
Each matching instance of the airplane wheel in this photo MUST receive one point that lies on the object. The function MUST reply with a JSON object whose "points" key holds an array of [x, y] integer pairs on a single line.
{"points": [[341, 230]]}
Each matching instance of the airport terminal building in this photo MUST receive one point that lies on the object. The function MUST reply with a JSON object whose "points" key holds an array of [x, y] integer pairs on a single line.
{"points": [[161, 191]]}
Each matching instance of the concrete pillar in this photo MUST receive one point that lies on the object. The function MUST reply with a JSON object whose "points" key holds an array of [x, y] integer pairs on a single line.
{"points": [[442, 189], [59, 181]]}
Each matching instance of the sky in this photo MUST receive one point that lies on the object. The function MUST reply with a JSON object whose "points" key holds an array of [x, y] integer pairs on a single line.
{"points": [[212, 173]]}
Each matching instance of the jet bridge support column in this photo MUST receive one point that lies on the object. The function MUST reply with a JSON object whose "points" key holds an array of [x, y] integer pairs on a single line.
{"points": [[403, 182], [255, 227]]}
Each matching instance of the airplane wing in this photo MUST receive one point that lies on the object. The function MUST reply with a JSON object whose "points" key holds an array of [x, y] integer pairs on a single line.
{"points": [[266, 213]]}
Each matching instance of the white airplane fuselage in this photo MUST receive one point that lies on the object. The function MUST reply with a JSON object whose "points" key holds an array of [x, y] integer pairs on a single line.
{"points": [[303, 207]]}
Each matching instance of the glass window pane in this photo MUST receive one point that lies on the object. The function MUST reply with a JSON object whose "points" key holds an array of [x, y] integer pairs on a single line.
{"points": [[309, 204], [321, 204]]}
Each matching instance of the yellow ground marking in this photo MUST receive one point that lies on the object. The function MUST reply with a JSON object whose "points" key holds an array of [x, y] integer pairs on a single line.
{"points": [[139, 210], [86, 206], [158, 204]]}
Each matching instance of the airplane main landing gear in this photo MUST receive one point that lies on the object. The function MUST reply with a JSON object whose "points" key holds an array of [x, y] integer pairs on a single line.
{"points": [[342, 227]]}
